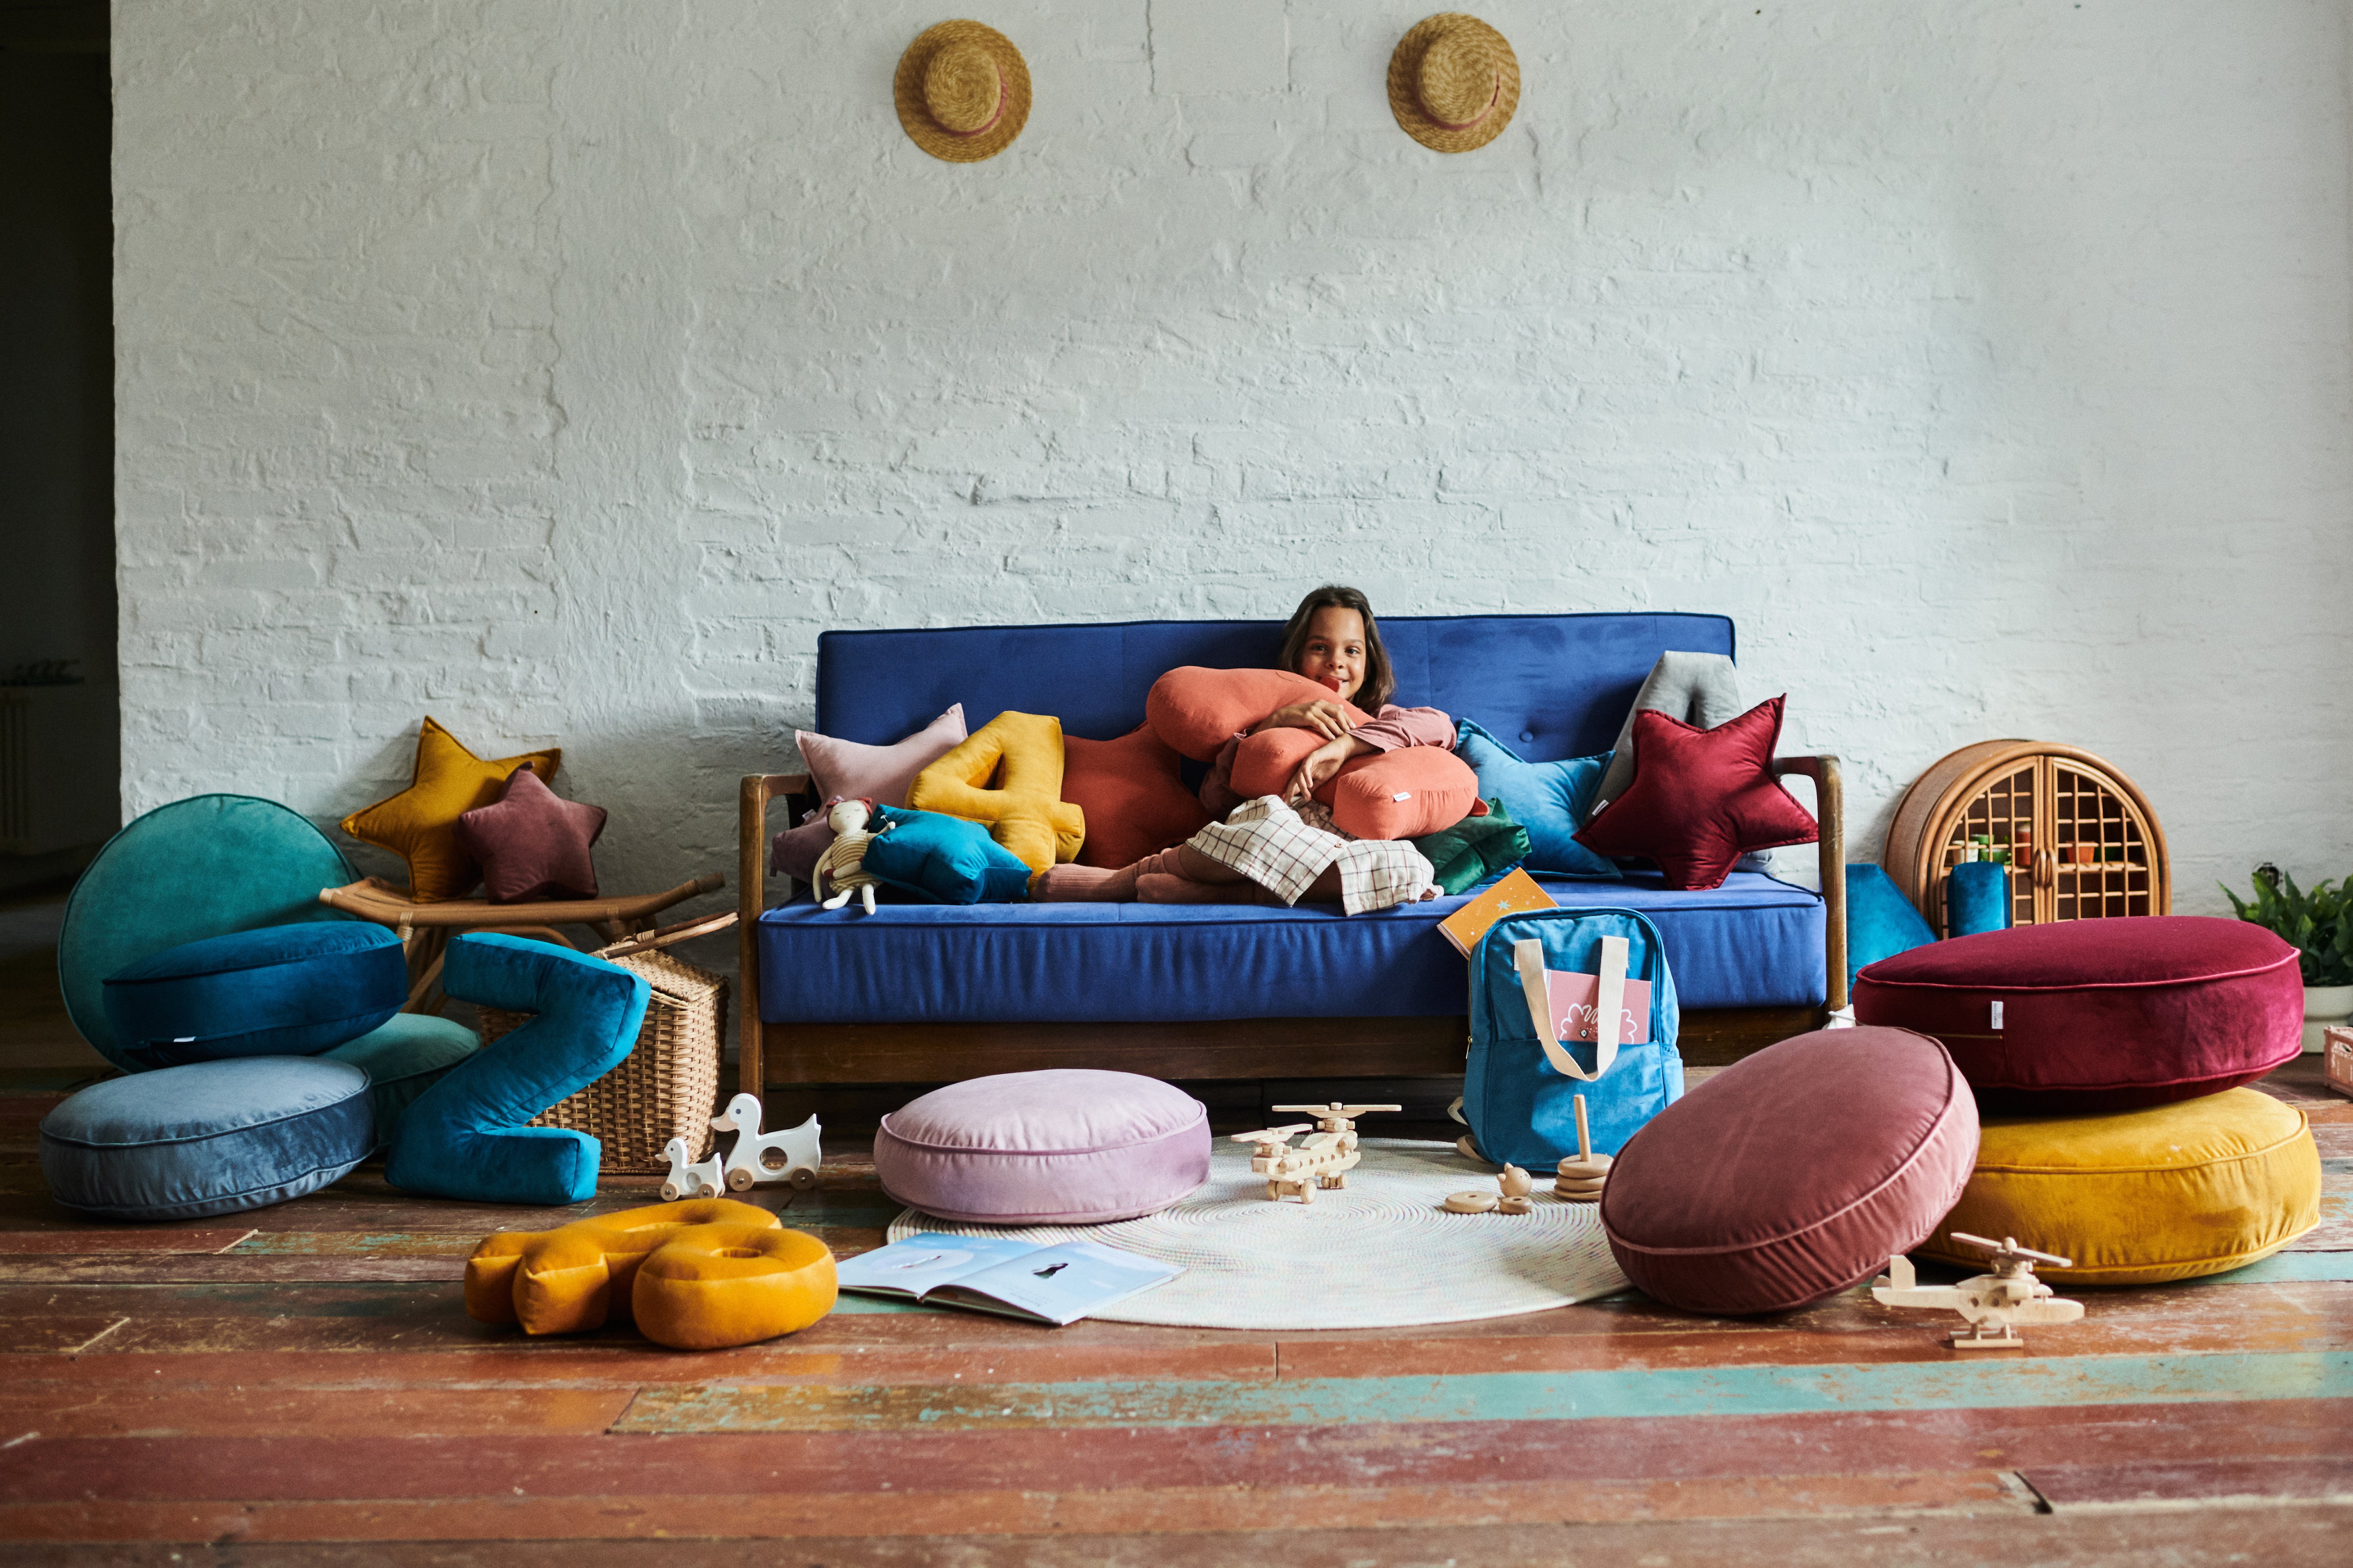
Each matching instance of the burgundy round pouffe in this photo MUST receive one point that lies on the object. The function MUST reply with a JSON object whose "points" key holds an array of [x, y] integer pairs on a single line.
{"points": [[1794, 1174], [1068, 1146], [2104, 1014]]}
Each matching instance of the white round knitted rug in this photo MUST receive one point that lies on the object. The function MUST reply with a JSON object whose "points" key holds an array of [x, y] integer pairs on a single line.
{"points": [[1377, 1254]]}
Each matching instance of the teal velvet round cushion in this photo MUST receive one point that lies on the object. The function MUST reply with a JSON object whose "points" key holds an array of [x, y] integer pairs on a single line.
{"points": [[404, 1056], [278, 991], [209, 1138]]}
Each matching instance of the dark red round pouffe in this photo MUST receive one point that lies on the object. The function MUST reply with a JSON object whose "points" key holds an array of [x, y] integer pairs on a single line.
{"points": [[1793, 1174], [2098, 1015]]}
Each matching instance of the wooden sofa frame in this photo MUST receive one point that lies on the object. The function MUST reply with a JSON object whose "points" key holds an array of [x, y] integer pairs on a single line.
{"points": [[814, 1055]]}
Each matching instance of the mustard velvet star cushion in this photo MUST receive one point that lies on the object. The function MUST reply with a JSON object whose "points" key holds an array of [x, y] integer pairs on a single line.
{"points": [[533, 844], [420, 823], [1023, 807]]}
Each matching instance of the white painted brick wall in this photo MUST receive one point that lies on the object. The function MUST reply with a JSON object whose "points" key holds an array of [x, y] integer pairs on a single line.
{"points": [[563, 368]]}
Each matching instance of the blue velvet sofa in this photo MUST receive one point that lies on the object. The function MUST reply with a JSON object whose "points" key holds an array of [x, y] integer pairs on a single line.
{"points": [[928, 993]]}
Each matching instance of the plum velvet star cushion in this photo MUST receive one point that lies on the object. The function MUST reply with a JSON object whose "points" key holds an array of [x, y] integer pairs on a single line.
{"points": [[274, 991], [1792, 1173], [533, 844], [1133, 797], [420, 823], [2098, 1015], [844, 769], [1066, 1146], [1701, 798], [1550, 799]]}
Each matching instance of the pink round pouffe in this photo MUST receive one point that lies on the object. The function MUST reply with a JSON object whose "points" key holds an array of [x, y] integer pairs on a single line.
{"points": [[2106, 1014], [1068, 1146], [1794, 1174]]}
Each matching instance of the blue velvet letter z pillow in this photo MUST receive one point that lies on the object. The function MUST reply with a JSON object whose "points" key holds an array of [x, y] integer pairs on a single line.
{"points": [[274, 991], [1549, 799], [206, 1139]]}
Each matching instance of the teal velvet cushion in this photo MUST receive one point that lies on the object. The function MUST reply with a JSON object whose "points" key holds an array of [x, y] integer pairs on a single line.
{"points": [[465, 1137], [1473, 849], [1549, 799], [406, 1055], [275, 991], [1977, 897], [945, 858], [198, 868], [1880, 920]]}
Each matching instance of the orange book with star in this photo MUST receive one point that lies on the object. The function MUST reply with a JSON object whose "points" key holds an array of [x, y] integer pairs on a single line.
{"points": [[1516, 894]]}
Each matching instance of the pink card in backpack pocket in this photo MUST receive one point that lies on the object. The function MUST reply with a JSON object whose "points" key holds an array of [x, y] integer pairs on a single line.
{"points": [[1572, 999]]}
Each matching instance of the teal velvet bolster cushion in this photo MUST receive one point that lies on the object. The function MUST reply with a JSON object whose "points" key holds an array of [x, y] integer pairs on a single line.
{"points": [[466, 1136], [1977, 897], [277, 991], [945, 858], [1549, 799]]}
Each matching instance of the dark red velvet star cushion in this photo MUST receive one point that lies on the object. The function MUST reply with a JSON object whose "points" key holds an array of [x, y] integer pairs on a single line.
{"points": [[1701, 798], [533, 844]]}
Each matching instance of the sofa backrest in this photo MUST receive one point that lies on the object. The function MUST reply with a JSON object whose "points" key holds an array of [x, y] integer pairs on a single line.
{"points": [[1548, 686]]}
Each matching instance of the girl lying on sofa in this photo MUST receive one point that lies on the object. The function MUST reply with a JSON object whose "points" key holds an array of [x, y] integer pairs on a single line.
{"points": [[1280, 851]]}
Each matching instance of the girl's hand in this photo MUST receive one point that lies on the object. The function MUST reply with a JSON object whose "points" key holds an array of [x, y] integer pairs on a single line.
{"points": [[1320, 765], [1325, 716]]}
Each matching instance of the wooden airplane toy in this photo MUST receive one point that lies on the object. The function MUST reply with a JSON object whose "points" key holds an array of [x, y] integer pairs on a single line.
{"points": [[2002, 1300], [1323, 1158]]}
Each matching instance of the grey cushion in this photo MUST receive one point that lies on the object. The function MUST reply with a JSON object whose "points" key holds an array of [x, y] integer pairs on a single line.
{"points": [[209, 1138], [1700, 689]]}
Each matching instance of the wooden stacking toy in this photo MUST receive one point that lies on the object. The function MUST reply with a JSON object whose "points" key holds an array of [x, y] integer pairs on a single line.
{"points": [[1579, 1180], [1514, 1185]]}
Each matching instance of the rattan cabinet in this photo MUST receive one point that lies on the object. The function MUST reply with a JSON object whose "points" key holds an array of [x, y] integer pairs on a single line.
{"points": [[2086, 844]]}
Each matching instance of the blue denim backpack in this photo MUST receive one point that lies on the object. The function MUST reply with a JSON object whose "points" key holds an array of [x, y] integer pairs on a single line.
{"points": [[1530, 1057]]}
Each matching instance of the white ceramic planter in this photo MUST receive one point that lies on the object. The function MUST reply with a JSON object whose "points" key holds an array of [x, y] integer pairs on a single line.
{"points": [[2324, 1006]]}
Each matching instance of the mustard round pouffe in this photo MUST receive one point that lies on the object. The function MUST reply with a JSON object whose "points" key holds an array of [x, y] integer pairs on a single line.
{"points": [[2172, 1191]]}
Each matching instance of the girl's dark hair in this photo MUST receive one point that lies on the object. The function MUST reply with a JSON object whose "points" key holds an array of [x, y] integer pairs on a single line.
{"points": [[1378, 682]]}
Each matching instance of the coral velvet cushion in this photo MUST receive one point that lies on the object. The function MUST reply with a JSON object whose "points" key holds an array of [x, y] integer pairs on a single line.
{"points": [[420, 823], [1403, 794], [1008, 775], [533, 843], [2099, 1014], [273, 991], [1066, 1146], [2136, 1197], [1550, 799], [1132, 796], [1793, 1174], [943, 858], [1197, 710], [1701, 798]]}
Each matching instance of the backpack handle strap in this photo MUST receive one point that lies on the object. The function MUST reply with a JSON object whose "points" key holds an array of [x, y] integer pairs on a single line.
{"points": [[1608, 1002]]}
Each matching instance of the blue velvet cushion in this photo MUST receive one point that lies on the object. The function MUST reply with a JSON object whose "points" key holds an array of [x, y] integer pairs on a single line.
{"points": [[1977, 897], [945, 858], [278, 991], [465, 1137], [206, 1139], [1880, 920], [404, 1056], [1549, 799]]}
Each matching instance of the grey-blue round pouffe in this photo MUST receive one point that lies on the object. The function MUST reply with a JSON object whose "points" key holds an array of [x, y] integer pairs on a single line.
{"points": [[209, 1138]]}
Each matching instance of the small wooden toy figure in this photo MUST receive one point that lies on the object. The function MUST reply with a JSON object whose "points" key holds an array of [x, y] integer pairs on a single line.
{"points": [[708, 1180], [1322, 1160], [843, 856], [2002, 1300], [791, 1155], [1579, 1180]]}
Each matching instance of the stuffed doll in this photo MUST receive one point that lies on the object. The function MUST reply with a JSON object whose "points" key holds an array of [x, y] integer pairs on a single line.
{"points": [[842, 859]]}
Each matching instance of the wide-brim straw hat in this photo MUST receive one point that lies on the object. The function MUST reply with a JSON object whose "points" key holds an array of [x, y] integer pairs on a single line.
{"points": [[1453, 82], [963, 91]]}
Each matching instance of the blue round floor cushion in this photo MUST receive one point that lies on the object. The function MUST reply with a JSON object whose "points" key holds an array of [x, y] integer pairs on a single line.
{"points": [[206, 1139], [274, 991]]}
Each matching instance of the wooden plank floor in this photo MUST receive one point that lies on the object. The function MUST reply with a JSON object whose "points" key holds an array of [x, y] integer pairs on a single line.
{"points": [[302, 1383]]}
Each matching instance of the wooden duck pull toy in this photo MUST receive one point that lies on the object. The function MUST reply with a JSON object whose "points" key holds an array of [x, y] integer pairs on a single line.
{"points": [[1579, 1180]]}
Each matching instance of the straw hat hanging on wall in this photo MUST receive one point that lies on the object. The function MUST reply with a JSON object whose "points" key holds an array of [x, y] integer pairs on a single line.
{"points": [[963, 91], [1453, 82]]}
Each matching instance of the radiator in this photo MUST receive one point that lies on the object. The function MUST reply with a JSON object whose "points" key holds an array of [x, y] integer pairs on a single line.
{"points": [[59, 763]]}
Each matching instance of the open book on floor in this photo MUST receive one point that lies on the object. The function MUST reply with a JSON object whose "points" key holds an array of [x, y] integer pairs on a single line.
{"points": [[1057, 1285]]}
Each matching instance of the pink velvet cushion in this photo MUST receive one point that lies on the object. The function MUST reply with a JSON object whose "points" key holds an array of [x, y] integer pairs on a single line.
{"points": [[1794, 1174], [2106, 1014], [844, 769], [1068, 1146]]}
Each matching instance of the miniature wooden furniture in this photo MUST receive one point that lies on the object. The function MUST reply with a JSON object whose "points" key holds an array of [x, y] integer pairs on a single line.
{"points": [[424, 930], [2085, 842], [2000, 1301], [1579, 1180], [1324, 1160], [2337, 1057], [792, 1155]]}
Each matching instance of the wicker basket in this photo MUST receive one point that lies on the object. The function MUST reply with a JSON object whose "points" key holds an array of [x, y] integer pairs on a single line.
{"points": [[668, 1086]]}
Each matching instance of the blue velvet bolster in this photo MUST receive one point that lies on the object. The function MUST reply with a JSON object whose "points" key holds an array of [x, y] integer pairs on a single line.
{"points": [[288, 990], [1977, 897]]}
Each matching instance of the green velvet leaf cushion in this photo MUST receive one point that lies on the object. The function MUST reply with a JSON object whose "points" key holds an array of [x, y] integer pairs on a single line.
{"points": [[195, 869], [276, 991], [1473, 849], [1549, 799]]}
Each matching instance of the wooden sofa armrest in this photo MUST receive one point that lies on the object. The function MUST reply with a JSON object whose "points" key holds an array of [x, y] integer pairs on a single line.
{"points": [[759, 791], [1830, 810]]}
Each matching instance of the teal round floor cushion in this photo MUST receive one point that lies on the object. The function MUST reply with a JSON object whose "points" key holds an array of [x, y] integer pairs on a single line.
{"points": [[276, 991], [404, 1056], [209, 1138]]}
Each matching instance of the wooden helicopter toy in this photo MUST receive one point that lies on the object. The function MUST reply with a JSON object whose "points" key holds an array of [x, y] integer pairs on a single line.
{"points": [[1323, 1158], [2002, 1300]]}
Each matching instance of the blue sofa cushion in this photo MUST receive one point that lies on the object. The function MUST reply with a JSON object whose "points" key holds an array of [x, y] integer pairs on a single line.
{"points": [[275, 991], [207, 1138], [1548, 798], [465, 1137], [404, 1056], [943, 858], [1752, 942]]}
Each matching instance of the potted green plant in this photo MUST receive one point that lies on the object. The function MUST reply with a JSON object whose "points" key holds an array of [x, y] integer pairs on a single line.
{"points": [[2318, 923]]}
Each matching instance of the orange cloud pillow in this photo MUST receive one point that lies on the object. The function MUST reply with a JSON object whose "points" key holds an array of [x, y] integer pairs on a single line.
{"points": [[420, 823], [1403, 794], [1197, 710], [1132, 794], [1023, 807]]}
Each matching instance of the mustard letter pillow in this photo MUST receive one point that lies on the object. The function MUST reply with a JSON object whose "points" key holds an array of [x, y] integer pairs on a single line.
{"points": [[2171, 1191], [1025, 811], [420, 823]]}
